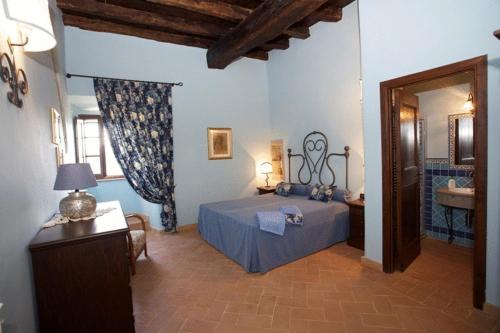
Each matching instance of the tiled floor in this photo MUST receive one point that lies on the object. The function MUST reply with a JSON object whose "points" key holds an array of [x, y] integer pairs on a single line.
{"points": [[188, 286]]}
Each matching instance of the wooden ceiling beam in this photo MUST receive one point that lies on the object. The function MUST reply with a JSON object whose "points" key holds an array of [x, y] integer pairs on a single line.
{"points": [[300, 32], [109, 11], [218, 9], [100, 25], [265, 23], [279, 43], [225, 11], [106, 11], [327, 13]]}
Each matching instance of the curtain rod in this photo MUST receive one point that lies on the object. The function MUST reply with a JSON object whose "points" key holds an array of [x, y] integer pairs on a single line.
{"points": [[69, 76]]}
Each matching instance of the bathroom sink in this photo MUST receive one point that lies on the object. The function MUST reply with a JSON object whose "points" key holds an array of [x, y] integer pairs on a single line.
{"points": [[457, 197], [463, 190]]}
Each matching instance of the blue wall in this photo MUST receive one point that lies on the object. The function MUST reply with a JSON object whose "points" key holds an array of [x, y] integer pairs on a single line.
{"points": [[27, 174], [314, 85], [236, 97], [423, 40], [110, 190]]}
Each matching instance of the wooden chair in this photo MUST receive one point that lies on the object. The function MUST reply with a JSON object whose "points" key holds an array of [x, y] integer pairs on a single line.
{"points": [[136, 238]]}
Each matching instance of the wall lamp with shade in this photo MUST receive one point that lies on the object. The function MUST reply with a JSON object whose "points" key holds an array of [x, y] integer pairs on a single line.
{"points": [[29, 20], [266, 168], [469, 104]]}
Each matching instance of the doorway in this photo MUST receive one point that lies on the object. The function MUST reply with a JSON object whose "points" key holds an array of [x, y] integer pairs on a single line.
{"points": [[401, 176]]}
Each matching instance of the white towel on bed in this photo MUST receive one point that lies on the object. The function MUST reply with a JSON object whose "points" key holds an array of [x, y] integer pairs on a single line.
{"points": [[272, 222]]}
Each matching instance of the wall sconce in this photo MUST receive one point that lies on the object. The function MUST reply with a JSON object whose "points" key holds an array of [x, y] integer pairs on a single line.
{"points": [[29, 19], [469, 104]]}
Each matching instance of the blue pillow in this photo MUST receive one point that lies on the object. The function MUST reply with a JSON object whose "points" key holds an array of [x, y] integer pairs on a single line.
{"points": [[322, 193], [340, 194], [299, 189], [283, 189]]}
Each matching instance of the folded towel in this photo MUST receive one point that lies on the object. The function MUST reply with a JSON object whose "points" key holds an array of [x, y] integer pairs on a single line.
{"points": [[272, 222], [293, 215]]}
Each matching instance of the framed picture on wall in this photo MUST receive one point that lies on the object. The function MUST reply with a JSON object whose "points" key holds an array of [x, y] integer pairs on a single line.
{"points": [[56, 126], [277, 159], [220, 143]]}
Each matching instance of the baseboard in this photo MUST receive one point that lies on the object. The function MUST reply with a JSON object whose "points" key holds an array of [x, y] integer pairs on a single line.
{"points": [[187, 227], [371, 264], [491, 309], [181, 228]]}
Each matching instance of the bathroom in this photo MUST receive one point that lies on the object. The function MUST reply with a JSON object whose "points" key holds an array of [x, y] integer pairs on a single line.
{"points": [[446, 158]]}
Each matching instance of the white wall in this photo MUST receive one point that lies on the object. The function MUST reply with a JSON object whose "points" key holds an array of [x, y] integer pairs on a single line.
{"points": [[27, 175], [435, 107], [236, 97], [314, 85], [405, 37]]}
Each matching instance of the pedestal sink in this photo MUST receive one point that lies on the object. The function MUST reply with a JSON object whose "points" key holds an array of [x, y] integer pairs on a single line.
{"points": [[460, 197]]}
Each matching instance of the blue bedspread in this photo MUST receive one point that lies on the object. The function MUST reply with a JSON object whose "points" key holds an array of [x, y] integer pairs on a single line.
{"points": [[232, 228]]}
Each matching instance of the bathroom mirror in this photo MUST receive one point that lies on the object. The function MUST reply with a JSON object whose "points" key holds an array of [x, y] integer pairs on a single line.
{"points": [[461, 141]]}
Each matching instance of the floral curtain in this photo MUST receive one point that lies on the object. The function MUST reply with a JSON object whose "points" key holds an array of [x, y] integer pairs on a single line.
{"points": [[138, 117]]}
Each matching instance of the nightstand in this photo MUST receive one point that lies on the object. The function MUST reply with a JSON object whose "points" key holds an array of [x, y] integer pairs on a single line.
{"points": [[266, 189], [356, 224]]}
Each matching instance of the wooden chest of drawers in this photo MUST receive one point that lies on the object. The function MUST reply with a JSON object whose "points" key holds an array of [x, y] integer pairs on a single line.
{"points": [[81, 275]]}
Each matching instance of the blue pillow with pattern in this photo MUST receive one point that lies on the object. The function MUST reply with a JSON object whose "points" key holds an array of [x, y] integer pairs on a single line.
{"points": [[284, 189], [322, 192]]}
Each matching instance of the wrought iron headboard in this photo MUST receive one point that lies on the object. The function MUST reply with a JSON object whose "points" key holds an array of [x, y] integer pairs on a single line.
{"points": [[317, 142]]}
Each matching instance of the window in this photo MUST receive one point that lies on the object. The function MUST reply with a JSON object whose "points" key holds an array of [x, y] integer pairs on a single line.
{"points": [[93, 147]]}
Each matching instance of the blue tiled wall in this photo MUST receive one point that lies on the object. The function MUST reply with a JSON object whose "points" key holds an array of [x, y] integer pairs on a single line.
{"points": [[437, 174]]}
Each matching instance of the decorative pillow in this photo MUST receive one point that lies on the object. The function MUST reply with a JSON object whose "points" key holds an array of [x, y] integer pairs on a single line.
{"points": [[299, 189], [322, 193], [341, 195], [283, 189]]}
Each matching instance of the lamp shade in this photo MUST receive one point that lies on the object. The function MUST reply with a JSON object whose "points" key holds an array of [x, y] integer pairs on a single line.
{"points": [[74, 176], [32, 18], [266, 167], [469, 104]]}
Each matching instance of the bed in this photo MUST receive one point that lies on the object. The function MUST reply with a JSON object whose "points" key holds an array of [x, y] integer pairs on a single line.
{"points": [[232, 228]]}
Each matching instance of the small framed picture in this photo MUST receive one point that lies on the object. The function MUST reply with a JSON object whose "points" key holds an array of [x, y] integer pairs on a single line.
{"points": [[57, 126], [220, 143], [277, 159]]}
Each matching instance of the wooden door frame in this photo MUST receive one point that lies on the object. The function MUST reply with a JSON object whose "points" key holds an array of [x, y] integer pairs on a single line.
{"points": [[478, 66]]}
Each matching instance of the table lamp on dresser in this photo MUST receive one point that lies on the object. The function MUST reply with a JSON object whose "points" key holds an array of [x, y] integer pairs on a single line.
{"points": [[76, 176]]}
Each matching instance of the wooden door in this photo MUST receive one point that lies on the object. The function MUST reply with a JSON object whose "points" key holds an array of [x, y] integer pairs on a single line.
{"points": [[406, 168]]}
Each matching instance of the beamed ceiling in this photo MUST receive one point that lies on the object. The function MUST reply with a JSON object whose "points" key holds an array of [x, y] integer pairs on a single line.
{"points": [[229, 29]]}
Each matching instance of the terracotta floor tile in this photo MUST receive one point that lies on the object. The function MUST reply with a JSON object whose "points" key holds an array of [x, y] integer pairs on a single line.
{"points": [[187, 286], [357, 307], [242, 308], [266, 305], [254, 321], [380, 320], [281, 317], [325, 327], [308, 313]]}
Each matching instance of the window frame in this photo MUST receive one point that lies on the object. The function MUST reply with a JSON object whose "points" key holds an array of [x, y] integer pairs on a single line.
{"points": [[102, 150]]}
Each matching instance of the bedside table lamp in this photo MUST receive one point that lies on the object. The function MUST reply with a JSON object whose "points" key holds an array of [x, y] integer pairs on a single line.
{"points": [[266, 168], [76, 176]]}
